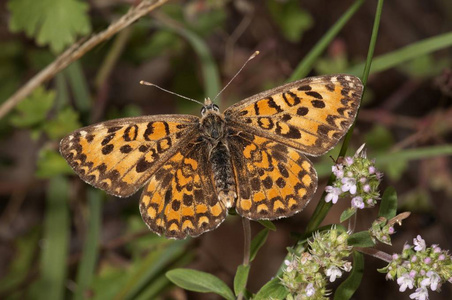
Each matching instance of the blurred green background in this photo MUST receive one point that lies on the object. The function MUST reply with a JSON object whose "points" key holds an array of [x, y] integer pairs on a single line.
{"points": [[59, 238]]}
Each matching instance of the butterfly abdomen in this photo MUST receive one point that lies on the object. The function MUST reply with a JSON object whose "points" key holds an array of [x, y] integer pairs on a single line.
{"points": [[223, 175]]}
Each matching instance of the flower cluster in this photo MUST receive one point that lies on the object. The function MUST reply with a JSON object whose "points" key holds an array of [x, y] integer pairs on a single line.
{"points": [[355, 176], [381, 230], [420, 267], [305, 275]]}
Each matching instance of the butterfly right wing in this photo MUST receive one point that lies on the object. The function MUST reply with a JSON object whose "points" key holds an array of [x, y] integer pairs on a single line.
{"points": [[180, 198], [120, 155]]}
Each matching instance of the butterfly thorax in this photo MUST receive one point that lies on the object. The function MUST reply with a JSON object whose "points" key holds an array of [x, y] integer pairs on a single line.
{"points": [[214, 135]]}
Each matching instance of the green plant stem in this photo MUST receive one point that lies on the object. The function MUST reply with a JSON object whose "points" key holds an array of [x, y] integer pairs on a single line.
{"points": [[246, 246], [323, 207]]}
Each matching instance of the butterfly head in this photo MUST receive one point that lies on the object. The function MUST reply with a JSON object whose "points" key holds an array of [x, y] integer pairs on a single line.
{"points": [[209, 107]]}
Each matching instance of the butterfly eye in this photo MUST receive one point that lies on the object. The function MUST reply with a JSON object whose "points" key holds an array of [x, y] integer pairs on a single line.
{"points": [[215, 108], [203, 110]]}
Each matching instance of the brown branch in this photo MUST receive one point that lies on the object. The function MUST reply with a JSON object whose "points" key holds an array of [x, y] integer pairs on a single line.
{"points": [[78, 50]]}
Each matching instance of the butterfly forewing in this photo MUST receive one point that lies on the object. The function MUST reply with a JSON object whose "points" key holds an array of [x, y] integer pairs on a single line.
{"points": [[119, 156], [311, 114]]}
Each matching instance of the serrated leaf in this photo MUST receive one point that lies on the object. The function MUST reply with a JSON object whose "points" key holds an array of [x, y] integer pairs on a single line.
{"points": [[50, 163], [198, 281], [360, 239], [388, 205], [346, 214], [240, 279], [50, 22], [33, 109], [65, 122], [347, 288], [268, 224], [272, 290], [257, 243]]}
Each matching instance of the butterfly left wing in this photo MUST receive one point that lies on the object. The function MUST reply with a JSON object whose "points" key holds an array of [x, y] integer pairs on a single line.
{"points": [[180, 198], [310, 115], [120, 155]]}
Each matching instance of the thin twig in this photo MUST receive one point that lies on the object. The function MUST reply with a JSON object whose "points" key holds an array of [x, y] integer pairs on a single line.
{"points": [[78, 50]]}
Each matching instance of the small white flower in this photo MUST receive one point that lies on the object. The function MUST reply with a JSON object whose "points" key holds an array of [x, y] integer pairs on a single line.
{"points": [[333, 194], [419, 243], [347, 267], [333, 272], [338, 171], [366, 188], [405, 281], [349, 184], [357, 202], [290, 265], [349, 160], [432, 280], [420, 294], [310, 290]]}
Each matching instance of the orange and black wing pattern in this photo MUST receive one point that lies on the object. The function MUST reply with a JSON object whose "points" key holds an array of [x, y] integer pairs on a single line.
{"points": [[310, 115], [273, 180], [119, 156], [180, 198]]}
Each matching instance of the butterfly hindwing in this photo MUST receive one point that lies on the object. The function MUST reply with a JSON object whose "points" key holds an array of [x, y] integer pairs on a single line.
{"points": [[311, 114], [180, 198], [119, 156], [273, 180]]}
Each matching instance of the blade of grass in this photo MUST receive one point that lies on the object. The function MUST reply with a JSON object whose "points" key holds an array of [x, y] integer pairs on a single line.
{"points": [[55, 242], [151, 265], [62, 95], [305, 66], [154, 288], [394, 58], [323, 207], [79, 86], [91, 246]]}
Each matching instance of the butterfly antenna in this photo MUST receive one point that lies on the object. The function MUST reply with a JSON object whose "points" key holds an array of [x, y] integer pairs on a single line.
{"points": [[173, 93], [240, 70]]}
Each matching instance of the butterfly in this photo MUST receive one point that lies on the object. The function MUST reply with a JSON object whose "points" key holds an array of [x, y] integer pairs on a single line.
{"points": [[194, 169]]}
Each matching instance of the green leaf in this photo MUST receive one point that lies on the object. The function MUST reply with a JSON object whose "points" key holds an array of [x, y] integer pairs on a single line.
{"points": [[291, 18], [268, 224], [65, 122], [360, 239], [271, 290], [388, 205], [257, 243], [347, 288], [346, 214], [50, 22], [240, 279], [34, 109], [198, 281], [50, 163]]}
